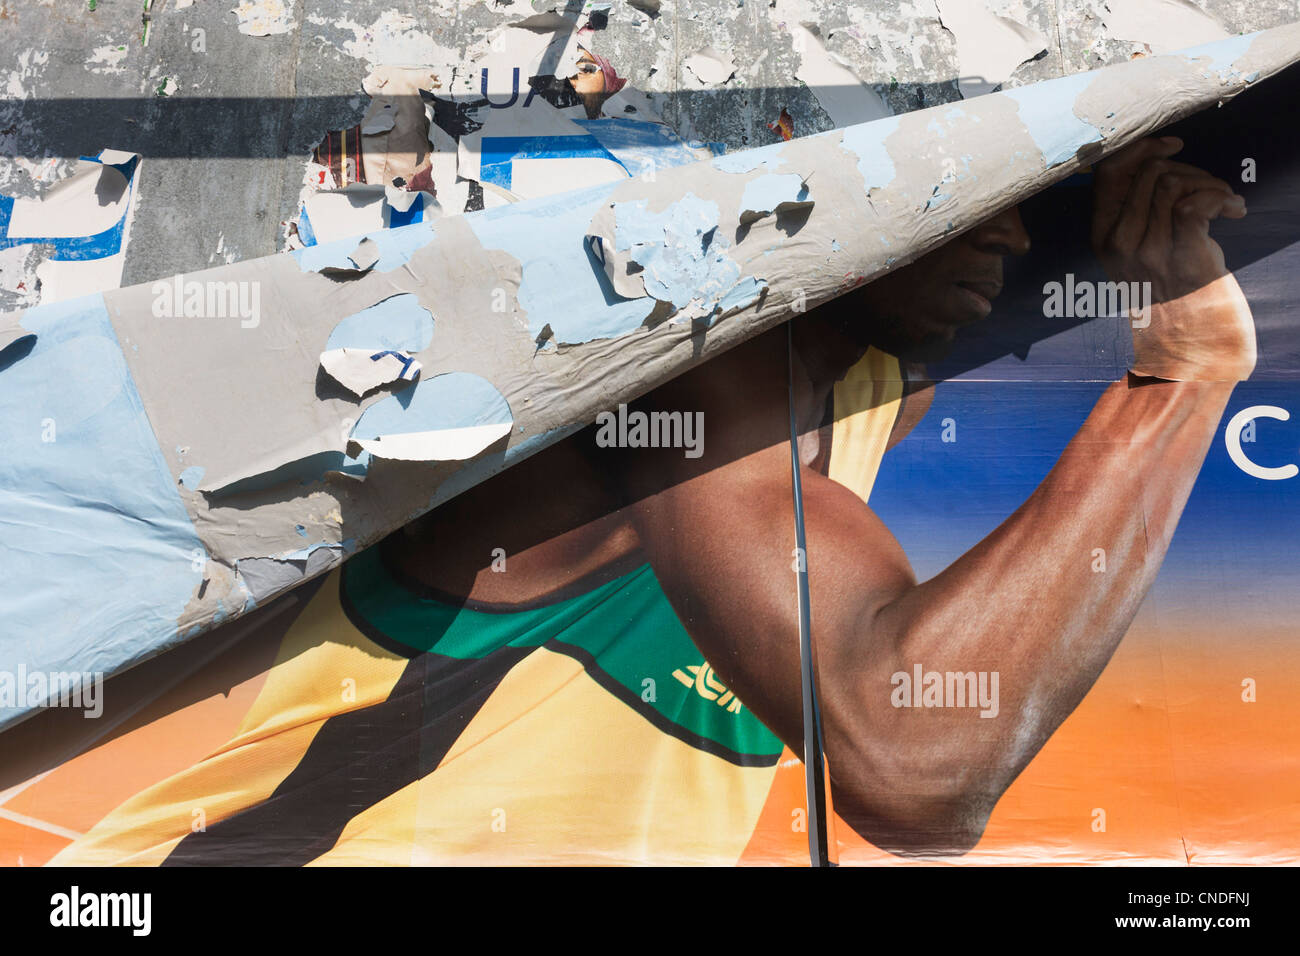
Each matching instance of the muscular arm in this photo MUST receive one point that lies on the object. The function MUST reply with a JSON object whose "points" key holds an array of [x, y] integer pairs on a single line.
{"points": [[1024, 602]]}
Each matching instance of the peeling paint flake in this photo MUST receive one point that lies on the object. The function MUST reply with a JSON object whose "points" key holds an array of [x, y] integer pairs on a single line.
{"points": [[1222, 55], [109, 56], [559, 286], [773, 193], [711, 67], [742, 295], [1047, 111], [748, 160], [1166, 26], [682, 259], [362, 259], [450, 417], [840, 92], [989, 47], [867, 141]]}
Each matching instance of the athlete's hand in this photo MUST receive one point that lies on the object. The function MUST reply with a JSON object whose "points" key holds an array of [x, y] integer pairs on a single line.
{"points": [[1151, 223]]}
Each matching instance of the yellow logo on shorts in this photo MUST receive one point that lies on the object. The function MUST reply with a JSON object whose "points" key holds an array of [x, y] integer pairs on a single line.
{"points": [[708, 686]]}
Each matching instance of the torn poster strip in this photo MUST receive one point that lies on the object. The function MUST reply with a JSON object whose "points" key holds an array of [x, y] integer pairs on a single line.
{"points": [[529, 115]]}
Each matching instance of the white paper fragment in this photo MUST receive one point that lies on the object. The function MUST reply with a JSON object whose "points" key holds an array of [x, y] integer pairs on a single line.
{"points": [[61, 280], [88, 202], [260, 18], [400, 199], [365, 255], [350, 211], [11, 333], [91, 202], [989, 47], [115, 157], [446, 444], [710, 67], [451, 201], [1163, 25], [548, 175], [839, 91], [18, 274], [451, 195], [318, 177], [361, 371], [394, 38], [110, 56]]}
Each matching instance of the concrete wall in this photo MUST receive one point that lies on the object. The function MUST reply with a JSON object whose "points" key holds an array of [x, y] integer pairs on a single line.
{"points": [[225, 119]]}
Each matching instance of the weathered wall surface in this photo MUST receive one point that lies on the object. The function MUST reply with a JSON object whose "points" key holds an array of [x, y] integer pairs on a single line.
{"points": [[224, 118]]}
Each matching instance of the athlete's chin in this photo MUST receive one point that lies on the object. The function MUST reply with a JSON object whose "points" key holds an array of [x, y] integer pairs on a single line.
{"points": [[931, 348], [934, 339], [927, 335]]}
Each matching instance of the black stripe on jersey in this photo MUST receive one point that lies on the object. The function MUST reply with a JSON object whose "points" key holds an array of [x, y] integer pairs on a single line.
{"points": [[356, 760], [657, 718]]}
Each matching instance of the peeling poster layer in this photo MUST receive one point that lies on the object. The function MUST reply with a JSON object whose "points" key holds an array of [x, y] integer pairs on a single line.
{"points": [[539, 314]]}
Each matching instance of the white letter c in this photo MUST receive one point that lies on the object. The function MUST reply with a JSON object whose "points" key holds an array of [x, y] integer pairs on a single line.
{"points": [[1232, 438]]}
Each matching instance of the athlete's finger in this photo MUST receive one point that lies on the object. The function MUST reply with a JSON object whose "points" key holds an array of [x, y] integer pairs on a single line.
{"points": [[1170, 187], [1114, 178], [1193, 213], [1158, 185], [1195, 254]]}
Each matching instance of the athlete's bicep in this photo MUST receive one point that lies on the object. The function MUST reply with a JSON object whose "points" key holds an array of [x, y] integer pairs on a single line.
{"points": [[719, 532]]}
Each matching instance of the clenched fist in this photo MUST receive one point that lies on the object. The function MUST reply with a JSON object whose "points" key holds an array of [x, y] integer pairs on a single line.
{"points": [[1151, 223]]}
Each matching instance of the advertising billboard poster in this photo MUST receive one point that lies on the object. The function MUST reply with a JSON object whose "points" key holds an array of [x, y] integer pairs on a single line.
{"points": [[1029, 492]]}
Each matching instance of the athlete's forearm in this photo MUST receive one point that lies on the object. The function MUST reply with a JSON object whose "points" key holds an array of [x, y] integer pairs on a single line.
{"points": [[1041, 602]]}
